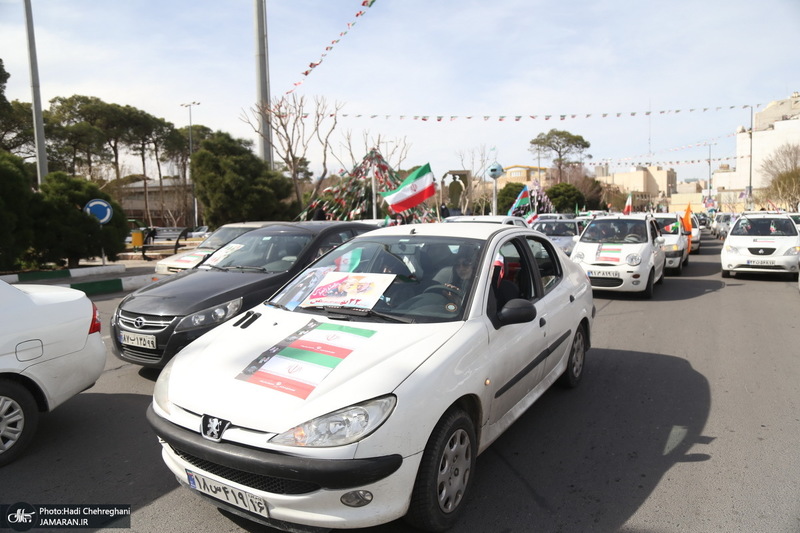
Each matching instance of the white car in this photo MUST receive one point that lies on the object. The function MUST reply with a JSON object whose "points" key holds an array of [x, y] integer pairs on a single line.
{"points": [[676, 240], [193, 257], [721, 225], [50, 350], [767, 243], [561, 232], [622, 253], [366, 388]]}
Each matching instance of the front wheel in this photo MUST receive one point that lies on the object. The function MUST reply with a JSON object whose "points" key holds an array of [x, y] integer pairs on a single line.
{"points": [[647, 293], [577, 356], [445, 473], [19, 417]]}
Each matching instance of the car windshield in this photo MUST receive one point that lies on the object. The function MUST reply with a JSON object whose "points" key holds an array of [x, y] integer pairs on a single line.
{"points": [[557, 229], [405, 279], [615, 230], [259, 252], [223, 236], [764, 227], [669, 225]]}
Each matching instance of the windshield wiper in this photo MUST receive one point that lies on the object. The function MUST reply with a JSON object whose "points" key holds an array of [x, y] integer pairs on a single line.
{"points": [[333, 310], [273, 303], [245, 267]]}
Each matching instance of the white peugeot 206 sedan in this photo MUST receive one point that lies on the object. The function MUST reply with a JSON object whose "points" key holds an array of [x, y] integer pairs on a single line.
{"points": [[364, 390], [765, 243]]}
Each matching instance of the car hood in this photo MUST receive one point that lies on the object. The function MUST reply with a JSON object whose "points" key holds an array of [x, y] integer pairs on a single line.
{"points": [[194, 290], [332, 364]]}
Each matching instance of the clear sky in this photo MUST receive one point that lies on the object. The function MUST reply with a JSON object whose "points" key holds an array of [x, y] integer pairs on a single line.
{"points": [[672, 77]]}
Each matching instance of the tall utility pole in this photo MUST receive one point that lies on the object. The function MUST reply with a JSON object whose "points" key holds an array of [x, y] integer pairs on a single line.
{"points": [[38, 122], [189, 161], [262, 71]]}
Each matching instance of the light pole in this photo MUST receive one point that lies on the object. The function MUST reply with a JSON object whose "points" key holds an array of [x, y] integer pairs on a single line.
{"points": [[710, 187], [189, 161], [750, 183]]}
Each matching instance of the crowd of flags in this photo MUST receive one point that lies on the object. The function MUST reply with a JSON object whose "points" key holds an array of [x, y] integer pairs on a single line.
{"points": [[529, 205]]}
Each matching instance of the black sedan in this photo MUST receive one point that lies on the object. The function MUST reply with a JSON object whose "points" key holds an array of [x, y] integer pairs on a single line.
{"points": [[155, 322]]}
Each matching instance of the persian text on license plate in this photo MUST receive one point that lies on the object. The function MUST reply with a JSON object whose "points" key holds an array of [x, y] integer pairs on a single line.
{"points": [[138, 340], [226, 493], [603, 274], [760, 262]]}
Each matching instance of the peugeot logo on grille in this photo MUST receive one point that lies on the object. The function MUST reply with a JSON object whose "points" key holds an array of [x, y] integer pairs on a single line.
{"points": [[213, 427], [761, 251], [138, 322]]}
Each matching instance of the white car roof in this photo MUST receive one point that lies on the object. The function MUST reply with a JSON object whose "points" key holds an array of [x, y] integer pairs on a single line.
{"points": [[477, 230], [495, 219]]}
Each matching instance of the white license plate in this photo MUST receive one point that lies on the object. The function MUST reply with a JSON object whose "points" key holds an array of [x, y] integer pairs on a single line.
{"points": [[138, 340], [603, 274], [226, 493], [760, 262]]}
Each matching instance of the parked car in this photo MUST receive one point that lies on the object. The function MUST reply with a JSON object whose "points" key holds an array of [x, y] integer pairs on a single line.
{"points": [[193, 257], [676, 240], [365, 389], [50, 350], [154, 323], [492, 219], [561, 232], [200, 232], [622, 253], [766, 243]]}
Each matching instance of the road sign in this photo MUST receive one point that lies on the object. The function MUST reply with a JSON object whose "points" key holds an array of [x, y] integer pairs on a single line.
{"points": [[100, 209]]}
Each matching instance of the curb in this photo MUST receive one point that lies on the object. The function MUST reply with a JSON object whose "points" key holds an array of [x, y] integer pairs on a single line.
{"points": [[104, 286]]}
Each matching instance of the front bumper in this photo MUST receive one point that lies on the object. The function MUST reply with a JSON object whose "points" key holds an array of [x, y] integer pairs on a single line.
{"points": [[297, 490], [617, 277], [786, 264]]}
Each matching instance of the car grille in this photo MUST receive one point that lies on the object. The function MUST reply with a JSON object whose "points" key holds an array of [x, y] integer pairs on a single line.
{"points": [[605, 282], [149, 324], [259, 482], [761, 251], [761, 267]]}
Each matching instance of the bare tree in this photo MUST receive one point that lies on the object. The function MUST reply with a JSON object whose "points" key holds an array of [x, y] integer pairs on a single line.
{"points": [[393, 151], [294, 128], [476, 161], [786, 158]]}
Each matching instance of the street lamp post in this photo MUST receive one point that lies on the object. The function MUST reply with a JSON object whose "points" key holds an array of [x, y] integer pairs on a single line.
{"points": [[750, 183], [189, 161]]}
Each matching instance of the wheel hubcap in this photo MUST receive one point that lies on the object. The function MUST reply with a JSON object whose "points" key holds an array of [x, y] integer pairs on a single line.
{"points": [[577, 354], [12, 422], [454, 471]]}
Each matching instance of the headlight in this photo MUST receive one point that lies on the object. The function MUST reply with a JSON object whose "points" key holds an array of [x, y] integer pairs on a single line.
{"points": [[633, 259], [341, 427], [671, 248], [731, 249], [161, 390], [794, 250], [578, 257], [212, 316]]}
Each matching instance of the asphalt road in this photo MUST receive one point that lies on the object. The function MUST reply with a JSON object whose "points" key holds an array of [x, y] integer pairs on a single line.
{"points": [[687, 420]]}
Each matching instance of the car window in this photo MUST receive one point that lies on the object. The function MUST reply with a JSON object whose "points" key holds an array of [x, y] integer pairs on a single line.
{"points": [[546, 263], [668, 225]]}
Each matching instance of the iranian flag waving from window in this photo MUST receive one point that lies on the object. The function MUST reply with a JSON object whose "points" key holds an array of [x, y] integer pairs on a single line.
{"points": [[415, 189]]}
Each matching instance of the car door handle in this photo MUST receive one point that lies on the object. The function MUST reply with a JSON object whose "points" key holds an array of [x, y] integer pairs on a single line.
{"points": [[571, 298], [542, 322]]}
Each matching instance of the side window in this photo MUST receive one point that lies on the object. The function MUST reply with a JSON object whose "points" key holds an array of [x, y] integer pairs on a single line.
{"points": [[546, 262], [654, 230], [511, 273], [332, 241]]}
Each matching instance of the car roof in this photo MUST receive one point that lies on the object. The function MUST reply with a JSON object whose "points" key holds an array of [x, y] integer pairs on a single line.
{"points": [[764, 214], [476, 230], [308, 226], [483, 218]]}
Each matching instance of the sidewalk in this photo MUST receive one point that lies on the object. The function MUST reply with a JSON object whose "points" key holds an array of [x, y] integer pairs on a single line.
{"points": [[92, 277]]}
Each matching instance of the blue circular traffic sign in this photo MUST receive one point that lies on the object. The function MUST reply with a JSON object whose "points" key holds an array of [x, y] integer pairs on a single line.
{"points": [[100, 209]]}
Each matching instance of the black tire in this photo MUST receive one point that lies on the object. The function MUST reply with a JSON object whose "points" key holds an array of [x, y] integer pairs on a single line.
{"points": [[726, 273], [445, 473], [577, 357], [19, 417], [686, 261], [660, 280], [647, 293], [679, 269]]}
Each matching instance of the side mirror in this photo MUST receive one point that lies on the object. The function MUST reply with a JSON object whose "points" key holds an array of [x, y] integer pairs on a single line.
{"points": [[660, 240], [517, 311], [576, 238]]}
